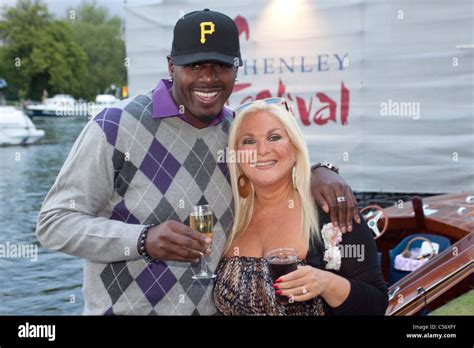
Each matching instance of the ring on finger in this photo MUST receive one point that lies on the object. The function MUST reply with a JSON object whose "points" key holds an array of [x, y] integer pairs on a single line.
{"points": [[304, 291], [341, 199]]}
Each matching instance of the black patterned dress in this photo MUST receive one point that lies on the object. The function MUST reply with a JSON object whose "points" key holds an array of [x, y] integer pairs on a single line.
{"points": [[244, 287]]}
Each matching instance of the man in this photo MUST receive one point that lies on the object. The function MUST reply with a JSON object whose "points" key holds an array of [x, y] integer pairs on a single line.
{"points": [[148, 160]]}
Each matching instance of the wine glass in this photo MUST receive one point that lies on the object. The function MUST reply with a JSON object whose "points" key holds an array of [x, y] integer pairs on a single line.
{"points": [[280, 262], [201, 220]]}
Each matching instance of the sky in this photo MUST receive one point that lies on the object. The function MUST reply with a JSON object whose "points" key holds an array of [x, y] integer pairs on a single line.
{"points": [[59, 7]]}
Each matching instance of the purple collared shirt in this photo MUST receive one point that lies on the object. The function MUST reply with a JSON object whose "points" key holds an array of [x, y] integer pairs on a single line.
{"points": [[164, 105]]}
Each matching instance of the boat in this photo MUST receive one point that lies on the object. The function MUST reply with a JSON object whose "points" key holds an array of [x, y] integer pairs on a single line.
{"points": [[16, 128], [106, 99], [102, 101], [64, 105], [58, 105], [443, 277]]}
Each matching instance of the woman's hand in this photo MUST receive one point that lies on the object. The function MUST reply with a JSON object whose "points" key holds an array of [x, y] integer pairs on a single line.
{"points": [[308, 282], [303, 284], [326, 187]]}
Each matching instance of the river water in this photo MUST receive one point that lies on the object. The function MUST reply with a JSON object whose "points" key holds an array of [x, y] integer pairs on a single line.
{"points": [[50, 285]]}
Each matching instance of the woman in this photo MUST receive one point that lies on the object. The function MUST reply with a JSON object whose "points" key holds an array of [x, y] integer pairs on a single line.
{"points": [[274, 209]]}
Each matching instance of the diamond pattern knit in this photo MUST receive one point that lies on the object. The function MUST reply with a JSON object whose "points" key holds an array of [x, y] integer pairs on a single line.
{"points": [[149, 171]]}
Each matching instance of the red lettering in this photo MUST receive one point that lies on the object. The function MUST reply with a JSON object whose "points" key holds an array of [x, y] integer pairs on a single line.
{"points": [[264, 94], [242, 26], [303, 111], [281, 89], [240, 86], [344, 104], [319, 119], [326, 113]]}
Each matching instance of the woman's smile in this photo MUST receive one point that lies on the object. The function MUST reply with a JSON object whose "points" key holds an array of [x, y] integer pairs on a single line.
{"points": [[265, 165]]}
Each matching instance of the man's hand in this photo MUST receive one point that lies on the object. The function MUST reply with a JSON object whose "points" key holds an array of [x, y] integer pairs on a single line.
{"points": [[326, 187], [173, 241]]}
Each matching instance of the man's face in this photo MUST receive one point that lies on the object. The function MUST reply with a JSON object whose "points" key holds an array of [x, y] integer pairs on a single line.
{"points": [[202, 88]]}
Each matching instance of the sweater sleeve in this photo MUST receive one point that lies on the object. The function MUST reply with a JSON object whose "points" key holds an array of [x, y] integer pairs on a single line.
{"points": [[69, 221], [360, 266]]}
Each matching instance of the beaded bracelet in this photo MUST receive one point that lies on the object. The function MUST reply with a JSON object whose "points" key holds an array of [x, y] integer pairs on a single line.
{"points": [[142, 242]]}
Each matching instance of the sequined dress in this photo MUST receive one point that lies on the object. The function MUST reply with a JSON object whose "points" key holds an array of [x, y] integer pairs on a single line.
{"points": [[244, 287]]}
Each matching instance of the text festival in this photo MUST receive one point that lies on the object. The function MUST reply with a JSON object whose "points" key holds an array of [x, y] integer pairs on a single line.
{"points": [[319, 109]]}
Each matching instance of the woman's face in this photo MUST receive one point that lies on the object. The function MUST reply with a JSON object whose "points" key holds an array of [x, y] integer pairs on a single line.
{"points": [[263, 133]]}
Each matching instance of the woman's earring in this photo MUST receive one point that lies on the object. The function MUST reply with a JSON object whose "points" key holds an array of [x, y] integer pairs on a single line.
{"points": [[243, 184], [293, 177], [236, 79], [170, 79]]}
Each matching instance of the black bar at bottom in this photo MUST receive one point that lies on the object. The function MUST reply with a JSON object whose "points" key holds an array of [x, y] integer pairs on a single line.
{"points": [[210, 330]]}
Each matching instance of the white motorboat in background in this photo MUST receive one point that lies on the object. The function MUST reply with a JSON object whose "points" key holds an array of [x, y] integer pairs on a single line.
{"points": [[65, 105], [16, 128], [58, 105], [102, 101]]}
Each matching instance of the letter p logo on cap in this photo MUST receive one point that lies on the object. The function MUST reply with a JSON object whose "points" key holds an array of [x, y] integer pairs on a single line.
{"points": [[210, 30], [205, 36]]}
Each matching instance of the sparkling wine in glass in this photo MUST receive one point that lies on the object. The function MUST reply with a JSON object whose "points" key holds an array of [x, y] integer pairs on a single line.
{"points": [[201, 220]]}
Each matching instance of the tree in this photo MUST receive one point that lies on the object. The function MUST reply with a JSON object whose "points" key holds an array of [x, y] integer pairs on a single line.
{"points": [[100, 36], [40, 53]]}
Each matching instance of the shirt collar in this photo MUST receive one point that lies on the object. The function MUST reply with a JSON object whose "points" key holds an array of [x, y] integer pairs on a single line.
{"points": [[164, 105]]}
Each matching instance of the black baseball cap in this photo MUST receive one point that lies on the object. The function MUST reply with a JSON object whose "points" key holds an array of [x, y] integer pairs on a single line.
{"points": [[205, 36]]}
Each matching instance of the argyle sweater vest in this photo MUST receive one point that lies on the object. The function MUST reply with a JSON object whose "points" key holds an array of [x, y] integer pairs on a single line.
{"points": [[126, 170]]}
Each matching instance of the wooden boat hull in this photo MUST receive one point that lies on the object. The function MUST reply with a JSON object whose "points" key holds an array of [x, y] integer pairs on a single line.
{"points": [[446, 276]]}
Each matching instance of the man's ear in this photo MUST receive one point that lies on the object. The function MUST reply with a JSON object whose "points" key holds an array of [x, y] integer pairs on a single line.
{"points": [[170, 66]]}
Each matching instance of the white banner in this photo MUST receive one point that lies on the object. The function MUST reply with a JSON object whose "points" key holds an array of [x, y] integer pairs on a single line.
{"points": [[384, 89]]}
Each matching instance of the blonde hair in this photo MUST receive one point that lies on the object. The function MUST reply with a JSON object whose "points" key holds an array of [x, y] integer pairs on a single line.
{"points": [[243, 207]]}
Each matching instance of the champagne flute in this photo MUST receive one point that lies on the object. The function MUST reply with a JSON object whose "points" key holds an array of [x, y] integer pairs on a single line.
{"points": [[201, 220]]}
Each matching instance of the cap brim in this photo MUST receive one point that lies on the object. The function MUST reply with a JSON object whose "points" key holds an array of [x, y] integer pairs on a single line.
{"points": [[192, 58]]}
